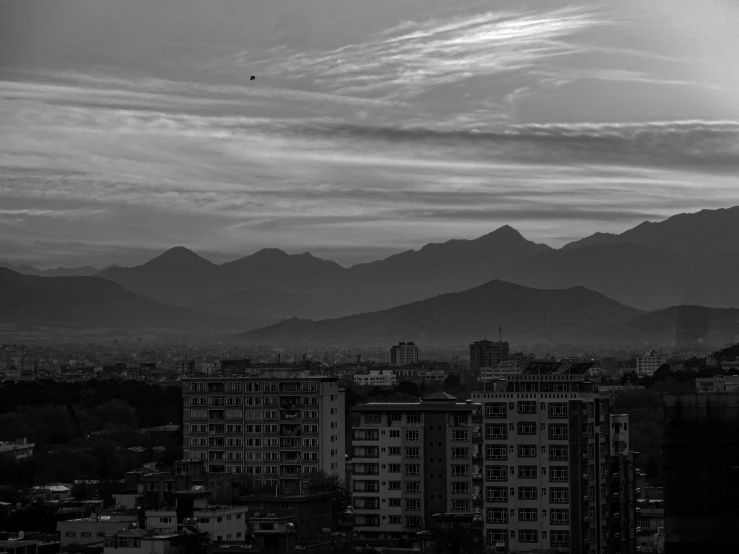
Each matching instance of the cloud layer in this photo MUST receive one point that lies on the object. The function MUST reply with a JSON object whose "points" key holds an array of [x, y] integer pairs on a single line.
{"points": [[355, 146]]}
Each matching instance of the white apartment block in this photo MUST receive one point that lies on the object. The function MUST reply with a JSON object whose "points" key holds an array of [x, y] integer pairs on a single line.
{"points": [[274, 428], [546, 470], [376, 378], [646, 365]]}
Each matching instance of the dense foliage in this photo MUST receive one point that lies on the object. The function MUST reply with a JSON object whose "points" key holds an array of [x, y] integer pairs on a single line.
{"points": [[84, 430]]}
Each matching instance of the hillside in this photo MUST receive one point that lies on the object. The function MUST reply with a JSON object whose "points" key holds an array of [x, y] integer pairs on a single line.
{"points": [[703, 232], [526, 315], [94, 303]]}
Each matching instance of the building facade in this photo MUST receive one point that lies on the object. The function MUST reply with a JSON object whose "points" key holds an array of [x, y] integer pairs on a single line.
{"points": [[546, 462], [646, 365], [701, 472], [404, 353], [486, 353], [18, 449], [410, 461], [272, 427], [623, 488]]}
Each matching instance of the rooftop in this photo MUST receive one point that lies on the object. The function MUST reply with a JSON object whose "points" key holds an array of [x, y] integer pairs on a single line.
{"points": [[417, 407]]}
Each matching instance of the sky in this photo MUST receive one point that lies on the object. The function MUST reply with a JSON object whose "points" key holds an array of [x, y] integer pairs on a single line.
{"points": [[131, 126]]}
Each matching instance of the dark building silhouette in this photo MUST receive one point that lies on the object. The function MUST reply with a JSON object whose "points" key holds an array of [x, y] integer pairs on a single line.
{"points": [[486, 353], [701, 472]]}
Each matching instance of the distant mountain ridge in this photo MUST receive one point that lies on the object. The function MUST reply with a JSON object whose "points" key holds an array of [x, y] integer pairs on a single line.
{"points": [[181, 277], [456, 319], [25, 269], [703, 232], [54, 303]]}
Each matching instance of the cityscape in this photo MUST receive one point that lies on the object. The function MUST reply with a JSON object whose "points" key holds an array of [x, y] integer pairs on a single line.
{"points": [[369, 277]]}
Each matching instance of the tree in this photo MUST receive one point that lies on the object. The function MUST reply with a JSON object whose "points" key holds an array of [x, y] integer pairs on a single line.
{"points": [[408, 387], [452, 382], [323, 482]]}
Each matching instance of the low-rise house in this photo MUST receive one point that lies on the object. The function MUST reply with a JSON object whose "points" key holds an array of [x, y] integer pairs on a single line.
{"points": [[91, 531], [18, 449]]}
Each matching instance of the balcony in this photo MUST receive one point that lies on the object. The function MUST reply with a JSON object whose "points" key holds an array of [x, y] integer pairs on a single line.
{"points": [[288, 415], [476, 436], [477, 455]]}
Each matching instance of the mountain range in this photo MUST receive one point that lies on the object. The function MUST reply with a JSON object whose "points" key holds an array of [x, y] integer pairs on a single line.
{"points": [[682, 263]]}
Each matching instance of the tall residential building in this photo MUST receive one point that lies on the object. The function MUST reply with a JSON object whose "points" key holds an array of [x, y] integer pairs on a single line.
{"points": [[701, 472], [404, 353], [274, 426], [623, 488], [547, 467], [486, 353], [649, 363], [411, 461]]}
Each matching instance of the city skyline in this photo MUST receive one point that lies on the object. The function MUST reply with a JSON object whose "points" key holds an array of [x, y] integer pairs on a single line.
{"points": [[367, 129]]}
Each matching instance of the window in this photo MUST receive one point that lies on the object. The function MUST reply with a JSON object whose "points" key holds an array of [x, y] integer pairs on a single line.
{"points": [[460, 436], [394, 520], [496, 494], [560, 538], [496, 536], [413, 469], [198, 414], [558, 453], [413, 487], [460, 505], [372, 419], [496, 431], [413, 452], [558, 410], [310, 414], [393, 485], [460, 453], [557, 431], [527, 472], [527, 493], [366, 434], [558, 473], [393, 468], [527, 514], [412, 504], [460, 470], [526, 428], [460, 487], [496, 452], [394, 433], [559, 495], [165, 520], [527, 407], [413, 418], [411, 435], [559, 516], [495, 410], [496, 473], [526, 451], [86, 534], [528, 535], [70, 534], [394, 502]]}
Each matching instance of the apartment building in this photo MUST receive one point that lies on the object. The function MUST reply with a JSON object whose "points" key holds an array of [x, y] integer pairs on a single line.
{"points": [[623, 488], [18, 449], [649, 363], [700, 450], [546, 461], [274, 427], [486, 353], [404, 353], [410, 461]]}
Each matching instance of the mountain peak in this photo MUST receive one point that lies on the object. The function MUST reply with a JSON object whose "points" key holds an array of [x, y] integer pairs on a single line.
{"points": [[178, 255]]}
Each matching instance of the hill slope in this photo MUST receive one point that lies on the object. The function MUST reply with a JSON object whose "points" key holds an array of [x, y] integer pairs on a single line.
{"points": [[640, 276], [94, 303], [526, 315], [704, 232]]}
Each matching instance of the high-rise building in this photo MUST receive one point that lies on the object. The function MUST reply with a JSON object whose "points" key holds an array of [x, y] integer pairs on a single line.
{"points": [[404, 353], [411, 461], [701, 472], [486, 353], [547, 473], [274, 426], [623, 488]]}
